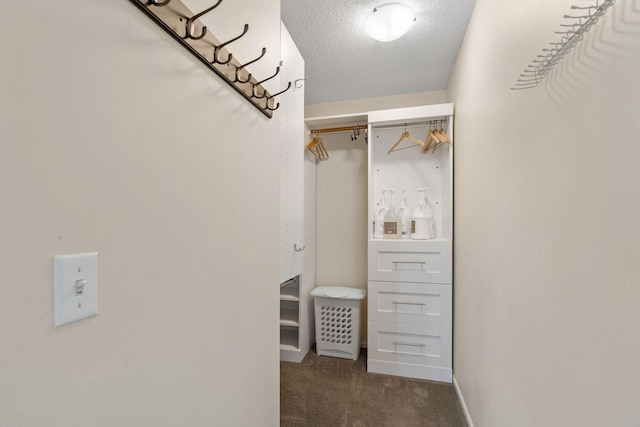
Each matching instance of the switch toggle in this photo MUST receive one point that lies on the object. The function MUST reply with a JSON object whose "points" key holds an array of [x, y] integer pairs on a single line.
{"points": [[75, 287], [80, 283]]}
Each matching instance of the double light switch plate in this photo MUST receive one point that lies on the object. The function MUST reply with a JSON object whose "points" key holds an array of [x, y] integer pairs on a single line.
{"points": [[75, 287]]}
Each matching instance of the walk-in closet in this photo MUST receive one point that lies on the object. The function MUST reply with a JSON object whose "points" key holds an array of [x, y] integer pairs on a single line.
{"points": [[319, 213]]}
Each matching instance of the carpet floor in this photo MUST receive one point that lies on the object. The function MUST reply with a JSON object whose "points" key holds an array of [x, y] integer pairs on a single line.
{"points": [[326, 391]]}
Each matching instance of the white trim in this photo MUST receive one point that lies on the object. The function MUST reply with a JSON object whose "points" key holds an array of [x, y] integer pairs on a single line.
{"points": [[462, 402], [409, 114], [424, 372]]}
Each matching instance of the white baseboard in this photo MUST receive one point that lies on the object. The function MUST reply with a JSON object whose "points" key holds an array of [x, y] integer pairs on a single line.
{"points": [[462, 403]]}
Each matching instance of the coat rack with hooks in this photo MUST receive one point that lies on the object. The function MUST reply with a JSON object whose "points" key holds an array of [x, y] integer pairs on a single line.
{"points": [[572, 34], [183, 25]]}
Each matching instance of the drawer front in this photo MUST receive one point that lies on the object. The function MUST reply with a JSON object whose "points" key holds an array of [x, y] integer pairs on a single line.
{"points": [[412, 344], [427, 261], [423, 303]]}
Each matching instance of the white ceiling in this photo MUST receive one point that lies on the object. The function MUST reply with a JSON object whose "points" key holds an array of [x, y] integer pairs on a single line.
{"points": [[343, 63]]}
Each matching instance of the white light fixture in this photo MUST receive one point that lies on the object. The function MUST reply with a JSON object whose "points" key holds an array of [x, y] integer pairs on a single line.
{"points": [[389, 22]]}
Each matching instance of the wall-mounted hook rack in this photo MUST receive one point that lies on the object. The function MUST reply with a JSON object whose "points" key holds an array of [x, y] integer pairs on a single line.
{"points": [[183, 25], [578, 26]]}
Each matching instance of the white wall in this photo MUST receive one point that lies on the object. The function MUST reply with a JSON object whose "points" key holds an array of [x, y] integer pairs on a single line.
{"points": [[114, 139], [547, 238], [342, 212], [341, 200]]}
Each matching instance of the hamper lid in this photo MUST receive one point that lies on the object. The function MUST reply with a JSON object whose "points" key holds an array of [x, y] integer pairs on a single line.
{"points": [[339, 292]]}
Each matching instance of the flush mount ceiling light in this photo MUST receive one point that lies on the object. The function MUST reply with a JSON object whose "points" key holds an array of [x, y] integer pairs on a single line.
{"points": [[389, 22]]}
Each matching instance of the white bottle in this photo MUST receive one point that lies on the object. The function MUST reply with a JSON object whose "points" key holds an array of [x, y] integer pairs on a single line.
{"points": [[378, 228], [422, 219], [392, 222], [405, 215]]}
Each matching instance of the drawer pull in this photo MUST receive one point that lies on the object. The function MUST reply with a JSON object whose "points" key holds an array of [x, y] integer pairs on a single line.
{"points": [[408, 303], [410, 344], [409, 262]]}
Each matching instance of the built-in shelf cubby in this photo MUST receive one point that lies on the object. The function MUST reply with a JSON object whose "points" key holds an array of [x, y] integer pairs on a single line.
{"points": [[290, 314]]}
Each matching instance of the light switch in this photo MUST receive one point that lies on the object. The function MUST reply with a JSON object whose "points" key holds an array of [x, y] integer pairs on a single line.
{"points": [[75, 287]]}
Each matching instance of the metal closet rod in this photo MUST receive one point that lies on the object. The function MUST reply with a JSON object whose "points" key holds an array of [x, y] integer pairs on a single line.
{"points": [[339, 129], [412, 124], [350, 128]]}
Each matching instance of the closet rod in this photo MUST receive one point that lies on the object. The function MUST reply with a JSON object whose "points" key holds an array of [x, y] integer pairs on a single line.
{"points": [[438, 121], [340, 129]]}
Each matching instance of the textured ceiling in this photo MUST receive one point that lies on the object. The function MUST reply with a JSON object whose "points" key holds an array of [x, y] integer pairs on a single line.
{"points": [[343, 63]]}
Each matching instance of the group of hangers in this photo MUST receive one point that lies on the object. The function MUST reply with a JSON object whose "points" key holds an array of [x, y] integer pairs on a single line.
{"points": [[436, 138], [317, 148]]}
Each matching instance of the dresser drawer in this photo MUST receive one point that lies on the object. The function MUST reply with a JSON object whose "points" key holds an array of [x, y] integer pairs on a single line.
{"points": [[421, 261], [420, 351], [423, 303]]}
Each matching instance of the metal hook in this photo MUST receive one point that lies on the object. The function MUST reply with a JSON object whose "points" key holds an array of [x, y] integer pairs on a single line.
{"points": [[217, 49], [281, 92], [264, 51], [157, 3], [264, 94], [191, 21], [269, 98], [272, 109]]}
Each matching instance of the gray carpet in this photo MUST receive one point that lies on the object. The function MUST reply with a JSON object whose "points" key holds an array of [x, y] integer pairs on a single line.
{"points": [[326, 391]]}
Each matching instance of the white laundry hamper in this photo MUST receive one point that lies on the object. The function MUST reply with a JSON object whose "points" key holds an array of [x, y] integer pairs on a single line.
{"points": [[337, 315]]}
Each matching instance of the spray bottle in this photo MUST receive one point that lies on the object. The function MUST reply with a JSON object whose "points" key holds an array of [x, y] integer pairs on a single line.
{"points": [[422, 219], [405, 215], [378, 222], [392, 222]]}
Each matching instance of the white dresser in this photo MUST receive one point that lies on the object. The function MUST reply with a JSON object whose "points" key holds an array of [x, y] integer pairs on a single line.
{"points": [[410, 281]]}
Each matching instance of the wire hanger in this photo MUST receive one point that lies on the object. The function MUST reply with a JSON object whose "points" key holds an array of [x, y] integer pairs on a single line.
{"points": [[406, 135]]}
